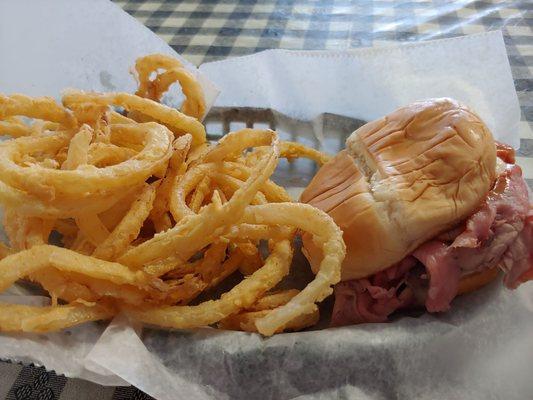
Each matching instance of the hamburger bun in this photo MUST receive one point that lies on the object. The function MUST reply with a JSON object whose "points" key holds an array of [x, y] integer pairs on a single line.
{"points": [[402, 180]]}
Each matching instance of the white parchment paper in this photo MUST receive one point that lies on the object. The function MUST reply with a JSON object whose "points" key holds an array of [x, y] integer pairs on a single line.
{"points": [[49, 46], [480, 350], [368, 83], [483, 348]]}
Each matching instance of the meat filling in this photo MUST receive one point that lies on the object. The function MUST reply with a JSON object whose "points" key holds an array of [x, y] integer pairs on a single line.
{"points": [[499, 234]]}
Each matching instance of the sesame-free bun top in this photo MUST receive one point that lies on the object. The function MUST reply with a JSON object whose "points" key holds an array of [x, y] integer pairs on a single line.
{"points": [[402, 180]]}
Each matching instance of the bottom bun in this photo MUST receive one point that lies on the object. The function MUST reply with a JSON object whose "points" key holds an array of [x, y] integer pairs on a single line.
{"points": [[477, 280]]}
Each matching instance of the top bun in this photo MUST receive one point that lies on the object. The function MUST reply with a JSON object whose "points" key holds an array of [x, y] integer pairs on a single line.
{"points": [[402, 180]]}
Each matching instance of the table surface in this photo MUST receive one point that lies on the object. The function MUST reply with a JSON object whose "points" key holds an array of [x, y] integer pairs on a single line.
{"points": [[208, 30]]}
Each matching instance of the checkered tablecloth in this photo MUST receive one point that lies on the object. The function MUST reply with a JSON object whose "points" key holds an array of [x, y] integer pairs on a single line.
{"points": [[208, 30]]}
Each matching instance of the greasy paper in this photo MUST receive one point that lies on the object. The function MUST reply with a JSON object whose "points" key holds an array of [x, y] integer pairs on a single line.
{"points": [[481, 349]]}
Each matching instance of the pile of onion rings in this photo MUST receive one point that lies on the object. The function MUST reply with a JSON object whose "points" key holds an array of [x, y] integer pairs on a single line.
{"points": [[147, 215]]}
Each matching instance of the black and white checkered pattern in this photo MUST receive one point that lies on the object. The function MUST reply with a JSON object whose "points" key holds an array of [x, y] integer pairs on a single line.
{"points": [[28, 382], [207, 30]]}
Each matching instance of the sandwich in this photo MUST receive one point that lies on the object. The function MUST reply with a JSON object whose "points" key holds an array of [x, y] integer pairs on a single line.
{"points": [[431, 207]]}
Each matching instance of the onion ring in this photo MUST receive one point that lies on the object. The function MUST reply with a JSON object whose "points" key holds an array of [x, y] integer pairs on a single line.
{"points": [[22, 318], [43, 108], [21, 264], [176, 242], [326, 233], [128, 229], [243, 295], [176, 121], [194, 104]]}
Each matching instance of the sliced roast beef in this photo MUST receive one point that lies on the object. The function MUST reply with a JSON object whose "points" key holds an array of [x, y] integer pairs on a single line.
{"points": [[372, 299], [505, 152], [507, 203], [517, 260], [506, 207], [500, 234], [444, 274]]}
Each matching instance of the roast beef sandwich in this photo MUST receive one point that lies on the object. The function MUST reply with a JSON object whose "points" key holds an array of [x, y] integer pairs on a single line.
{"points": [[431, 207]]}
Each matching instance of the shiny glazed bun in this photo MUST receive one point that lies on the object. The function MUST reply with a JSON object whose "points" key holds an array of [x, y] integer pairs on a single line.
{"points": [[402, 180]]}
